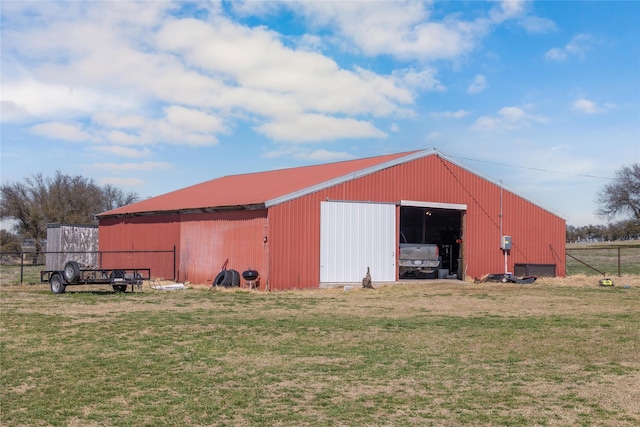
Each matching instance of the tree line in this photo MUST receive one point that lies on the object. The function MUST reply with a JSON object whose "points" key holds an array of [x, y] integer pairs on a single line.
{"points": [[65, 199], [621, 230]]}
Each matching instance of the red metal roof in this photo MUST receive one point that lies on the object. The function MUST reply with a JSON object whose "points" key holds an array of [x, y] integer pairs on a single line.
{"points": [[256, 188]]}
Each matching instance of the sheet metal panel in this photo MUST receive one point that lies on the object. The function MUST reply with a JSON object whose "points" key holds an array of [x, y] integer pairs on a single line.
{"points": [[159, 232], [538, 235], [354, 236], [208, 240]]}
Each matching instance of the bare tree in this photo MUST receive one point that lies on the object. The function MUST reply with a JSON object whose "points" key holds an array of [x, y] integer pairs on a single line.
{"points": [[622, 195], [63, 199], [115, 197]]}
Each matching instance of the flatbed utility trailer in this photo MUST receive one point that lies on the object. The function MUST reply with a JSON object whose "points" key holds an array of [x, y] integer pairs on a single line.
{"points": [[72, 274]]}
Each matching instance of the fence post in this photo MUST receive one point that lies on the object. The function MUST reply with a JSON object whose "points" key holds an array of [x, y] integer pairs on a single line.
{"points": [[21, 267], [619, 275]]}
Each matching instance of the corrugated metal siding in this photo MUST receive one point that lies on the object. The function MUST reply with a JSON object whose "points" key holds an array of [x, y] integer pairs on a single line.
{"points": [[151, 233], [294, 233], [296, 224], [209, 239]]}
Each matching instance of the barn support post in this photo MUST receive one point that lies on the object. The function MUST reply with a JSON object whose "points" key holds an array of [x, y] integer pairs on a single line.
{"points": [[174, 263]]}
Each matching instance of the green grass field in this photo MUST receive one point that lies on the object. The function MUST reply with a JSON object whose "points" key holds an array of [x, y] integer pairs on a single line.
{"points": [[604, 257], [436, 353]]}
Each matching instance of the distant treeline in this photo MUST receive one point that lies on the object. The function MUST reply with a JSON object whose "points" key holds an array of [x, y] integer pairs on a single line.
{"points": [[622, 230]]}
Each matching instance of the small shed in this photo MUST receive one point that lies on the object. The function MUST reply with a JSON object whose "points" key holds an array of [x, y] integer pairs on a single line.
{"points": [[322, 225], [67, 242]]}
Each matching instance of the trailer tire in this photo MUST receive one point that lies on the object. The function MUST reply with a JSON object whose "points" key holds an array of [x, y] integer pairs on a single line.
{"points": [[117, 274], [71, 271], [119, 288], [223, 279], [57, 284], [235, 278]]}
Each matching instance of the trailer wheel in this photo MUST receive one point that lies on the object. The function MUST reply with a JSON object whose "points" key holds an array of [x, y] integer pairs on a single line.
{"points": [[56, 284], [119, 288], [71, 271]]}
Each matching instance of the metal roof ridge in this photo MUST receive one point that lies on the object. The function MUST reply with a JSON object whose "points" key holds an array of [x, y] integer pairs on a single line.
{"points": [[349, 177]]}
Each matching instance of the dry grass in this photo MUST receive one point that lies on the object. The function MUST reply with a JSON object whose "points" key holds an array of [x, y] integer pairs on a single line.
{"points": [[557, 352]]}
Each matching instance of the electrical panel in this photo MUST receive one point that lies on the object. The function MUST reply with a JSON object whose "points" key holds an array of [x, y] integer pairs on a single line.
{"points": [[505, 243]]}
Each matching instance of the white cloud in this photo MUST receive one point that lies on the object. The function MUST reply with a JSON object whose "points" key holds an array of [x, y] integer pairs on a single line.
{"points": [[449, 114], [109, 119], [536, 24], [577, 47], [316, 127], [478, 84], [585, 106], [403, 29], [264, 77], [118, 150], [507, 118], [425, 79], [322, 155], [139, 74], [33, 99], [62, 131], [119, 137], [507, 9], [193, 120]]}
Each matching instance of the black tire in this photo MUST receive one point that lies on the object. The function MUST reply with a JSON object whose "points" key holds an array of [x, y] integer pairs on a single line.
{"points": [[71, 271], [57, 284], [117, 274], [235, 278], [223, 279], [119, 288]]}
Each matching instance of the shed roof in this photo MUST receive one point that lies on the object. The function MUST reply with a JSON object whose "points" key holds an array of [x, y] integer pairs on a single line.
{"points": [[262, 189]]}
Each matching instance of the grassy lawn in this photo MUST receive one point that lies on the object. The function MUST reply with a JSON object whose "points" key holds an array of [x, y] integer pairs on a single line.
{"points": [[437, 353], [10, 274]]}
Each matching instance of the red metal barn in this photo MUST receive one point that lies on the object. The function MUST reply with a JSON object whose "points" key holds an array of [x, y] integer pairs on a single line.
{"points": [[314, 226]]}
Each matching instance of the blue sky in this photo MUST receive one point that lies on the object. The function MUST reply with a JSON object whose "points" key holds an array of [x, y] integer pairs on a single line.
{"points": [[155, 96]]}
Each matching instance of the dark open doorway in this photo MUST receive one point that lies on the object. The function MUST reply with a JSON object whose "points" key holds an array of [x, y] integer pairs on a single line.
{"points": [[438, 226]]}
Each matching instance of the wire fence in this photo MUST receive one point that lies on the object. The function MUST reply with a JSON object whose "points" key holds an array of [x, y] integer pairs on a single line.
{"points": [[25, 267], [604, 260]]}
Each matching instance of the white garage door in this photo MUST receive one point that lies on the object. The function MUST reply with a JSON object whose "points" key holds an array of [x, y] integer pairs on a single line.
{"points": [[354, 236]]}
